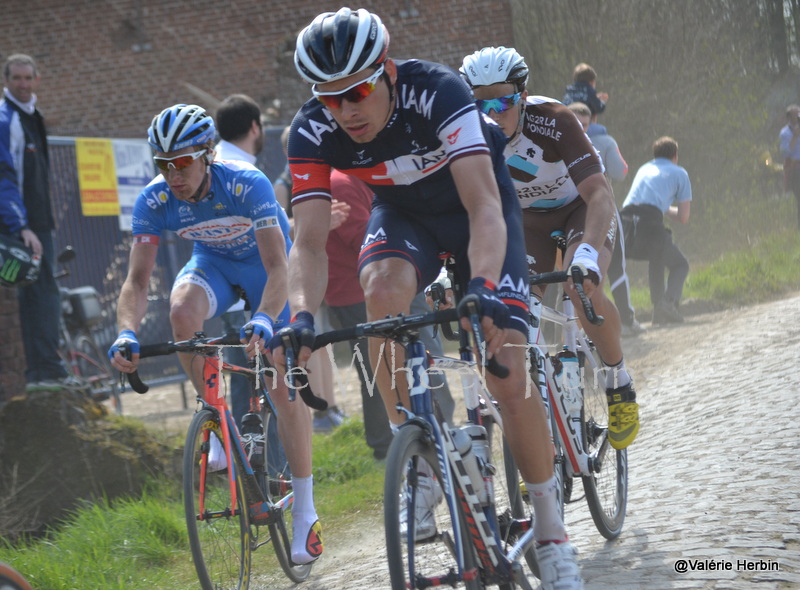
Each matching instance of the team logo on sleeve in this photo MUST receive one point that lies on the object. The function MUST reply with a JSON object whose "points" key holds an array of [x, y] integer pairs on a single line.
{"points": [[153, 201], [266, 222]]}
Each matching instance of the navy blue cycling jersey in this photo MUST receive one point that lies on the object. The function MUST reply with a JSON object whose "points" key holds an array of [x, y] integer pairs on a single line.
{"points": [[406, 165], [240, 200], [417, 212]]}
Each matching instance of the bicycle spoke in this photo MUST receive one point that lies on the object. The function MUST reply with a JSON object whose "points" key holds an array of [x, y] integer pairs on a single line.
{"points": [[420, 541], [219, 534], [607, 488]]}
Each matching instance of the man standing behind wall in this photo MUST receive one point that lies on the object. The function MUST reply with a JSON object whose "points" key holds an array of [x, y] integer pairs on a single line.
{"points": [[25, 211]]}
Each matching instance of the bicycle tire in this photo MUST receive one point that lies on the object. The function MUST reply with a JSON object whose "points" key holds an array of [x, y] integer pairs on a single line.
{"points": [[94, 368], [220, 546], [434, 556], [606, 489], [280, 528], [11, 579], [508, 497]]}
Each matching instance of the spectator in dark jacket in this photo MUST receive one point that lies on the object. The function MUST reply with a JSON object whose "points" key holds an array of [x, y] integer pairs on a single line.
{"points": [[26, 212], [583, 90]]}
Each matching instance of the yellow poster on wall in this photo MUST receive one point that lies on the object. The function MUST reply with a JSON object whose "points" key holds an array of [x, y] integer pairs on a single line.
{"points": [[97, 176]]}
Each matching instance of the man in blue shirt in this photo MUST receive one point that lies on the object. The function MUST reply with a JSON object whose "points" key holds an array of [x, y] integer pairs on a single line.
{"points": [[790, 150], [660, 188]]}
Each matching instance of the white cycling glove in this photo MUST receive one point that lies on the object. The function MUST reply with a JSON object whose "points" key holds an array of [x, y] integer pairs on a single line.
{"points": [[585, 258]]}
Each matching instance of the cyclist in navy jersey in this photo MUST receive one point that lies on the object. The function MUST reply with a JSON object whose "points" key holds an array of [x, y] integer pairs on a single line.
{"points": [[410, 130], [560, 183], [241, 240]]}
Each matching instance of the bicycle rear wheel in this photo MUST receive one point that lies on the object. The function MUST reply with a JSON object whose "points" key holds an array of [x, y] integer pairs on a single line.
{"points": [[278, 490], [219, 538], [94, 367], [414, 564], [607, 488]]}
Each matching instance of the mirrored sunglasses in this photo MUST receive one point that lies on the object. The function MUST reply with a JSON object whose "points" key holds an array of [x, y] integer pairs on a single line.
{"points": [[178, 162], [355, 93], [500, 104]]}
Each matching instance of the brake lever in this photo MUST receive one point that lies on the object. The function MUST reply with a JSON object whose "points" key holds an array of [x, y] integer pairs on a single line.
{"points": [[472, 305], [588, 308]]}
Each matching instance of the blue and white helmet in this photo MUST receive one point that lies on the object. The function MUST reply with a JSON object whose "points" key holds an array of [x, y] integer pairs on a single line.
{"points": [[180, 126]]}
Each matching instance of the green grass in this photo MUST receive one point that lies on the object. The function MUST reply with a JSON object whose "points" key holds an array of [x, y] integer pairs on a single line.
{"points": [[763, 272], [142, 544]]}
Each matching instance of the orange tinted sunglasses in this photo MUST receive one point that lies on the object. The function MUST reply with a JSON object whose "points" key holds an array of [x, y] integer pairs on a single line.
{"points": [[355, 93], [178, 162]]}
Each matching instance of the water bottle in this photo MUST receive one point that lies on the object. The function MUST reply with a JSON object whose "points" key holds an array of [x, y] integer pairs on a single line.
{"points": [[571, 383], [253, 439], [463, 439]]}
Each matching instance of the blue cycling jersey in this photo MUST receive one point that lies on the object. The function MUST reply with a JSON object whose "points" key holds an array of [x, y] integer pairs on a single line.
{"points": [[240, 200]]}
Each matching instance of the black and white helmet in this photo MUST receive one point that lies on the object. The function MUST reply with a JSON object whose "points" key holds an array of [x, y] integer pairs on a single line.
{"points": [[18, 265], [180, 126], [495, 65], [340, 44]]}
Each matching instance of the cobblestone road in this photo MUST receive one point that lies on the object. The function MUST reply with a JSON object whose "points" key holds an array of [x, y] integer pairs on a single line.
{"points": [[714, 472], [713, 475]]}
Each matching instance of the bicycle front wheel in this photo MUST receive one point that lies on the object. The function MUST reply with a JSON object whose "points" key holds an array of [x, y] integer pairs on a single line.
{"points": [[219, 534], [421, 543], [607, 487], [277, 488]]}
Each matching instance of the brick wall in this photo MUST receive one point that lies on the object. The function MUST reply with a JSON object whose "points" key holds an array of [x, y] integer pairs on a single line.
{"points": [[108, 68], [12, 355]]}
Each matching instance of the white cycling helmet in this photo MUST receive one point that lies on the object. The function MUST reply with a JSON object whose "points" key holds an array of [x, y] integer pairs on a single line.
{"points": [[340, 44], [180, 126], [495, 65]]}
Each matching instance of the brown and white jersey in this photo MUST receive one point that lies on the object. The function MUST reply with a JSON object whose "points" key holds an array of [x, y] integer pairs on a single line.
{"points": [[551, 155]]}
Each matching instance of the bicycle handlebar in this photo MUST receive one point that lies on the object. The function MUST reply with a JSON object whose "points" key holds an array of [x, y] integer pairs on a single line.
{"points": [[395, 327], [562, 276], [202, 345]]}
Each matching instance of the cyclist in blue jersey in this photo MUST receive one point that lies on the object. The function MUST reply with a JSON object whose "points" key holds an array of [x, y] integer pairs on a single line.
{"points": [[410, 130], [241, 239]]}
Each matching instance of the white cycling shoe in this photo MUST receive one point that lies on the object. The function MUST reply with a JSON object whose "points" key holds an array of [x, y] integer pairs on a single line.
{"points": [[429, 494], [558, 566]]}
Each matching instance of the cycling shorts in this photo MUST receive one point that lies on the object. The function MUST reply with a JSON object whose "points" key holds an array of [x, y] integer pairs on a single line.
{"points": [[570, 219], [222, 278], [392, 233]]}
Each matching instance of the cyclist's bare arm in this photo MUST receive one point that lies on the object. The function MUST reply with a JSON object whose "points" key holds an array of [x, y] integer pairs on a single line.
{"points": [[272, 249], [600, 210], [477, 187], [308, 263], [132, 303]]}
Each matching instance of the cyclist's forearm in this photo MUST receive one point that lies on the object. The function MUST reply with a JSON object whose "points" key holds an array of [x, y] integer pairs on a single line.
{"points": [[487, 245], [131, 306], [308, 278]]}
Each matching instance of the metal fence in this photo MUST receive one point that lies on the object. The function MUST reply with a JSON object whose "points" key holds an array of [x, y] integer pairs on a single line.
{"points": [[103, 249]]}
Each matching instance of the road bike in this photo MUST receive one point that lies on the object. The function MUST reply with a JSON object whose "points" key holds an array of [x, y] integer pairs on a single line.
{"points": [[232, 505], [482, 526], [570, 378], [11, 579], [80, 313]]}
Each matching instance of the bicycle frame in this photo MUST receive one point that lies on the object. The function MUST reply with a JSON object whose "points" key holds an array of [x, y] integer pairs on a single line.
{"points": [[261, 511], [579, 462], [481, 521]]}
